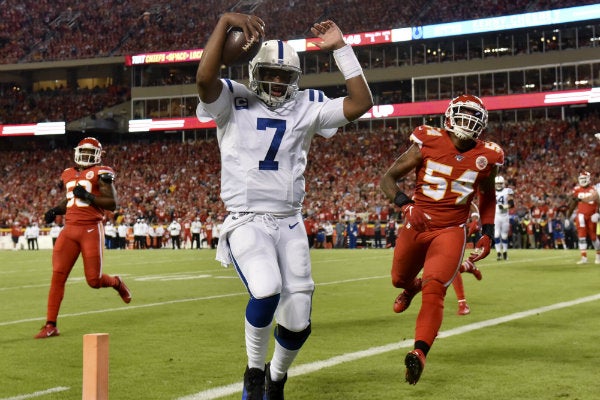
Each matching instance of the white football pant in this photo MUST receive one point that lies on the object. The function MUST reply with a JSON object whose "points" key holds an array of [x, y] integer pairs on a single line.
{"points": [[271, 256]]}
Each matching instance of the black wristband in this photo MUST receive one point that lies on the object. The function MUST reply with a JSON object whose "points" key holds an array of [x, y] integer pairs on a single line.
{"points": [[401, 199], [488, 229]]}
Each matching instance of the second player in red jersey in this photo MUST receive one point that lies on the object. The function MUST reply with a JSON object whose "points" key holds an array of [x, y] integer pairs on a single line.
{"points": [[452, 166], [585, 198], [89, 191]]}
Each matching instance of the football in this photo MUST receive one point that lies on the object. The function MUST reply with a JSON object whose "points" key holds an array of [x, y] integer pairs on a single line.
{"points": [[237, 50]]}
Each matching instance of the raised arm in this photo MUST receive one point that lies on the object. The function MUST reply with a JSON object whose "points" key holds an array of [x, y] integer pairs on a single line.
{"points": [[359, 99], [207, 76]]}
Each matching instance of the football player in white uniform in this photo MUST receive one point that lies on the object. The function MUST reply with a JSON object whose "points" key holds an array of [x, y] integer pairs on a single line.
{"points": [[504, 202], [264, 134]]}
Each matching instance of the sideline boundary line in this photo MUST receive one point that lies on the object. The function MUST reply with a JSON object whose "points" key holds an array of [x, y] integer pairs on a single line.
{"points": [[303, 369]]}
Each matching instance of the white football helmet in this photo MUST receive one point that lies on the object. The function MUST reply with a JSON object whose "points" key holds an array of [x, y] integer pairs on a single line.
{"points": [[499, 181], [584, 178], [275, 55], [88, 152], [466, 117]]}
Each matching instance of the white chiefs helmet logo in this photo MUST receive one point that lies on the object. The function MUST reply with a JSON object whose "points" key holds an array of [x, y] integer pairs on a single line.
{"points": [[481, 162], [89, 175]]}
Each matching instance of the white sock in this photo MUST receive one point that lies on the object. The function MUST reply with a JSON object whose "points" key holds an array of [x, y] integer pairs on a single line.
{"points": [[281, 362], [257, 345]]}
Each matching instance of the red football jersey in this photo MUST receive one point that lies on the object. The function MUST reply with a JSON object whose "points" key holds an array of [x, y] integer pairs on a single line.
{"points": [[585, 207], [80, 212], [448, 178]]}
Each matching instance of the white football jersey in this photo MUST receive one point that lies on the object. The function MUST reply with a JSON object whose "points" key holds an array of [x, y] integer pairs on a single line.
{"points": [[502, 197], [264, 151]]}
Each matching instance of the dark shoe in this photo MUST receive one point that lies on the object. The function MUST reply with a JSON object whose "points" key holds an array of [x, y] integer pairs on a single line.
{"points": [[254, 384], [403, 300], [415, 363], [273, 389]]}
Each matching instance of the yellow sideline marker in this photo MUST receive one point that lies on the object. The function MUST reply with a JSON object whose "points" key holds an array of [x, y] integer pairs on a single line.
{"points": [[95, 366]]}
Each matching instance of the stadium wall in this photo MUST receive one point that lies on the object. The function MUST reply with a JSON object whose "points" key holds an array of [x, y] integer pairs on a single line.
{"points": [[406, 72]]}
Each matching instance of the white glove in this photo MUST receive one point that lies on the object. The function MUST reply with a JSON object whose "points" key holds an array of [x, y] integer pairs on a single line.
{"points": [[595, 218]]}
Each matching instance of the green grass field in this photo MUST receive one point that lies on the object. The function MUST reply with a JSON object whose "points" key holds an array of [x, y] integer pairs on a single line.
{"points": [[532, 332]]}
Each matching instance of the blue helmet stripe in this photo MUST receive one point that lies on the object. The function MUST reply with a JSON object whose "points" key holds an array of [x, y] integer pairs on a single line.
{"points": [[280, 51]]}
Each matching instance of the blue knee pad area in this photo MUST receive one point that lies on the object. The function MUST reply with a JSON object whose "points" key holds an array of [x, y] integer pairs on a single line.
{"points": [[260, 312]]}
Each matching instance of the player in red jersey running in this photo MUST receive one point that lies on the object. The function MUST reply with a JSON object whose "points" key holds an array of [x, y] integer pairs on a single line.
{"points": [[90, 191], [584, 197], [452, 165]]}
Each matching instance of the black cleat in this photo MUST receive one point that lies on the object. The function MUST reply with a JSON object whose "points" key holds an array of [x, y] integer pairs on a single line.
{"points": [[254, 384], [273, 389], [415, 363]]}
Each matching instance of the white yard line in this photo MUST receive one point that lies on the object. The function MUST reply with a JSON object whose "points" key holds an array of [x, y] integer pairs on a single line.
{"points": [[233, 388], [222, 391], [38, 394]]}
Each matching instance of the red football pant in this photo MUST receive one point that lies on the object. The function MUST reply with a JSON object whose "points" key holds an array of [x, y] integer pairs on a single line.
{"points": [[439, 254], [87, 240]]}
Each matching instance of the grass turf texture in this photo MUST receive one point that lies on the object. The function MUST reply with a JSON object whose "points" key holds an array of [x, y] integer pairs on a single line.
{"points": [[182, 334]]}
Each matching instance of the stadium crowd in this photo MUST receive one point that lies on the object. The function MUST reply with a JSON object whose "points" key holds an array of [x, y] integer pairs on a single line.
{"points": [[62, 104], [36, 31], [33, 31], [164, 180]]}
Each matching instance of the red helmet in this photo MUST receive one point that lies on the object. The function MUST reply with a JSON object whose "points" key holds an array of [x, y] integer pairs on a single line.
{"points": [[466, 117], [88, 152], [584, 178]]}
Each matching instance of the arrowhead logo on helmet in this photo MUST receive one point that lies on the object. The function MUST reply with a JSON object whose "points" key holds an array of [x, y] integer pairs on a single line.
{"points": [[88, 152], [466, 117], [584, 178]]}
